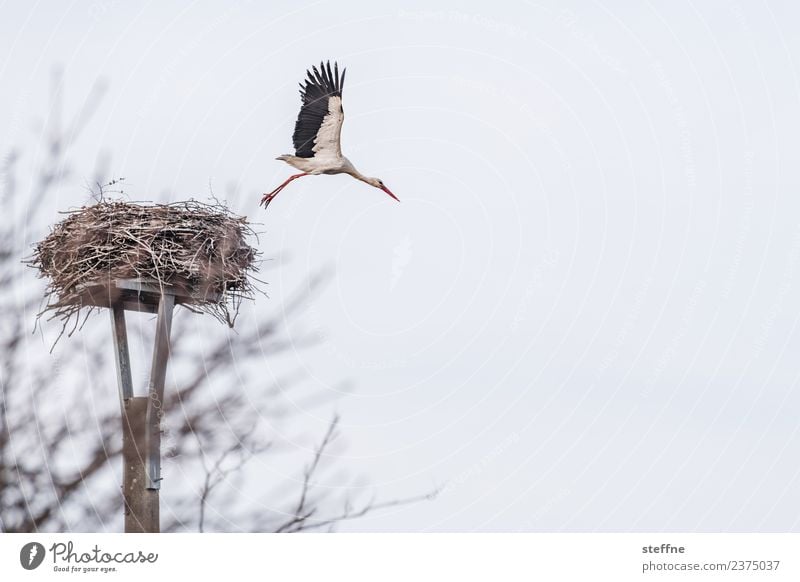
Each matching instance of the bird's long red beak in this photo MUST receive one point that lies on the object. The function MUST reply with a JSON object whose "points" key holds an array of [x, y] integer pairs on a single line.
{"points": [[389, 192]]}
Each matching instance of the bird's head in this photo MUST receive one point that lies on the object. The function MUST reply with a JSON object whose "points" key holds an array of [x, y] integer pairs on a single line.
{"points": [[378, 183]]}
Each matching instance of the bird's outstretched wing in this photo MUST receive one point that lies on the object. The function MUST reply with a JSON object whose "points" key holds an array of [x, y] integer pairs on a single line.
{"points": [[319, 124]]}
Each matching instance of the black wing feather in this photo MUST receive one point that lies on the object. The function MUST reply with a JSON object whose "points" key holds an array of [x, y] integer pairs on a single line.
{"points": [[318, 88]]}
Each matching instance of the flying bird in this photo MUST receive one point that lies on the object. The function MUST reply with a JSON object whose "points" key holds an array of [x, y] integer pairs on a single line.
{"points": [[318, 130]]}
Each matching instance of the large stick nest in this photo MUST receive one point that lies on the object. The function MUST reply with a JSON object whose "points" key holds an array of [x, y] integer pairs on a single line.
{"points": [[201, 249]]}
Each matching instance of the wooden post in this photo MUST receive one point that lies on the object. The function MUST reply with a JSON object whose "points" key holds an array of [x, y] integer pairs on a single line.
{"points": [[141, 503], [141, 512]]}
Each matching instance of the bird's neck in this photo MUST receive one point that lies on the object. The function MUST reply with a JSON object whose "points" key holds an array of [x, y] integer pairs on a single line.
{"points": [[356, 174]]}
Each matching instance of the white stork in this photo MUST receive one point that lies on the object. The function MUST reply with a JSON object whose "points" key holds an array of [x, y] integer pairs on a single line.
{"points": [[318, 130]]}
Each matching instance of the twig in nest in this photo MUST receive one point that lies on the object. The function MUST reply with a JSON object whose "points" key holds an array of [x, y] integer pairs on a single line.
{"points": [[200, 247]]}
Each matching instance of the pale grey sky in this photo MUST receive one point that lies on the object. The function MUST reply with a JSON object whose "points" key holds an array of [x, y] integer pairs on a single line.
{"points": [[583, 314]]}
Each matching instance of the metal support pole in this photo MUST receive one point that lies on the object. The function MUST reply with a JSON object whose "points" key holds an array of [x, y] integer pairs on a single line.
{"points": [[141, 514], [141, 419], [141, 416], [155, 391], [122, 357]]}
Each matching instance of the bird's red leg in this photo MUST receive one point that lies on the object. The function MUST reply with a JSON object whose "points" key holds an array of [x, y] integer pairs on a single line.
{"points": [[269, 196]]}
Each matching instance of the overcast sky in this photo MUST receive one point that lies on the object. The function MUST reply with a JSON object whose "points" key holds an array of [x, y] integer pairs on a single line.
{"points": [[583, 314]]}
